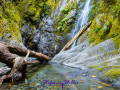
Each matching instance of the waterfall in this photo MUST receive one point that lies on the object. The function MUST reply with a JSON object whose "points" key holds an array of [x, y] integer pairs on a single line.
{"points": [[82, 19], [63, 5]]}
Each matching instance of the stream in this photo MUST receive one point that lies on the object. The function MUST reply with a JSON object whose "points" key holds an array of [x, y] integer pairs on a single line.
{"points": [[82, 19], [58, 77]]}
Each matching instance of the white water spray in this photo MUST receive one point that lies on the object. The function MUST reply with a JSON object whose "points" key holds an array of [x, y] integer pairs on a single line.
{"points": [[63, 5], [82, 19]]}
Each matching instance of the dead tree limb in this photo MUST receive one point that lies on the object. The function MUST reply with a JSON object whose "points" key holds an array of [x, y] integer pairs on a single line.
{"points": [[5, 77], [23, 52], [11, 55], [76, 36], [31, 62], [4, 71]]}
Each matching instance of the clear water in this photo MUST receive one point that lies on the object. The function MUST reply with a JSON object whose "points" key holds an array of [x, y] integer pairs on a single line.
{"points": [[82, 19], [58, 73]]}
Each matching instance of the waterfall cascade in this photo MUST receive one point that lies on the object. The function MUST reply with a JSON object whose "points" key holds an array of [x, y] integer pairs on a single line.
{"points": [[82, 19], [63, 4]]}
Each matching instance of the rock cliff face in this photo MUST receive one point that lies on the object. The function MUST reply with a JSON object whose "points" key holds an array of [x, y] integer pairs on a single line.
{"points": [[47, 36], [37, 25]]}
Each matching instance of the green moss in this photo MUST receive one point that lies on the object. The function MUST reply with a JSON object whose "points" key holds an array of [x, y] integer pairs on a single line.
{"points": [[116, 40], [116, 66], [65, 11], [68, 28], [105, 25], [116, 30], [57, 18], [112, 53], [105, 16], [110, 2], [70, 6], [98, 65], [102, 68], [1, 11], [10, 22], [61, 26], [95, 7], [93, 66], [97, 29], [115, 72], [15, 12], [112, 34]]}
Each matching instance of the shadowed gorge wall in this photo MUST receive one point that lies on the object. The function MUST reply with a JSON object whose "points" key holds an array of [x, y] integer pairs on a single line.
{"points": [[38, 24]]}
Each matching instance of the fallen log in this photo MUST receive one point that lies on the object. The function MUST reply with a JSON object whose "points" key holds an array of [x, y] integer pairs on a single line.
{"points": [[75, 37], [4, 71], [23, 52], [11, 56], [31, 62], [5, 77]]}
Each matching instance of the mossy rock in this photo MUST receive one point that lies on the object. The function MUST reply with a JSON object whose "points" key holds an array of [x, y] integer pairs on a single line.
{"points": [[114, 73]]}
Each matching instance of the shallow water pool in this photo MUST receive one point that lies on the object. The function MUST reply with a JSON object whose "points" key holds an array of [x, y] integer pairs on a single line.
{"points": [[58, 77]]}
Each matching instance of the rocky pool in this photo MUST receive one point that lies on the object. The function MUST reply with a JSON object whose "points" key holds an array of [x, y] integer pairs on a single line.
{"points": [[59, 77]]}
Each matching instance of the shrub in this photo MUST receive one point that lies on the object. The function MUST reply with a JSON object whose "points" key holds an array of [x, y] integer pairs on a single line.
{"points": [[65, 11]]}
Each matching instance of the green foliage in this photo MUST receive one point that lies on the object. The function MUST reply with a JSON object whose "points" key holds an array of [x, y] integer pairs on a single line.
{"points": [[72, 7], [62, 24], [65, 11], [61, 20], [69, 7], [112, 34], [57, 18], [97, 29]]}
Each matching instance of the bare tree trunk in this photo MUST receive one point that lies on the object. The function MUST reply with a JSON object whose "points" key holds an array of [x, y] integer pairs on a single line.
{"points": [[23, 52], [76, 36]]}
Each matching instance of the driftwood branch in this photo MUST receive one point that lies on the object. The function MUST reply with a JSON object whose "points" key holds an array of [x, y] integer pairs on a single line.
{"points": [[75, 37], [4, 71], [11, 56], [32, 62], [4, 78]]}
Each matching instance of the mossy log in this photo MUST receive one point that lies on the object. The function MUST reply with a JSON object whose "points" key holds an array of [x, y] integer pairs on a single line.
{"points": [[76, 36], [11, 56]]}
